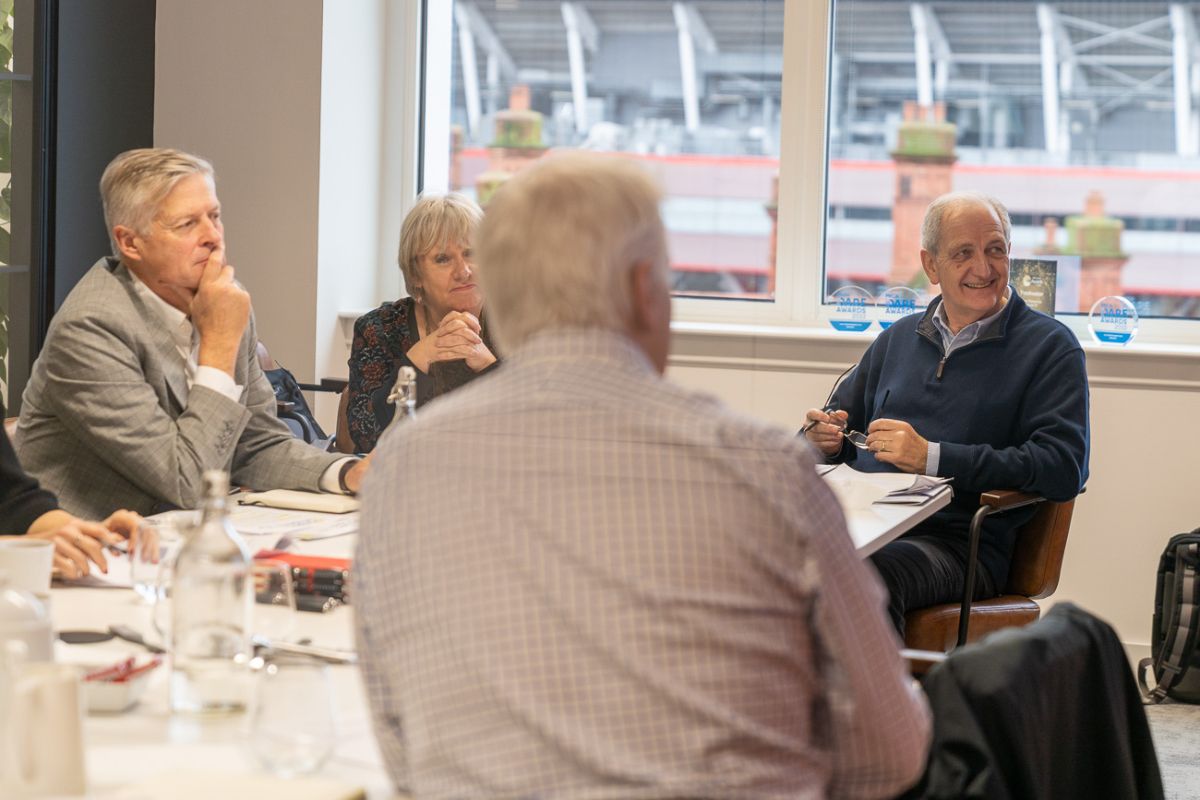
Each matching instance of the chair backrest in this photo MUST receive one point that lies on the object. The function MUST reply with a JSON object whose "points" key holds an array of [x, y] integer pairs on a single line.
{"points": [[1049, 711], [1038, 553]]}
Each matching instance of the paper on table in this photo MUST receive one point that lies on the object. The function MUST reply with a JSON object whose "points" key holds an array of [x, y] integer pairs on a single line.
{"points": [[923, 489], [303, 525], [119, 575]]}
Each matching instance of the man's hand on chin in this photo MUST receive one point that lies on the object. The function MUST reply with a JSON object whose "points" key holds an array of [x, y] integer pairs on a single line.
{"points": [[220, 311]]}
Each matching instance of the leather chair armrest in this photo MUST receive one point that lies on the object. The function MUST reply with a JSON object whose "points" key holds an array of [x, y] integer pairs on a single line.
{"points": [[1006, 499]]}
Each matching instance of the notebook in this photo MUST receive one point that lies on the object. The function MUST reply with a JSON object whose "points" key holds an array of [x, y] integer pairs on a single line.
{"points": [[301, 501]]}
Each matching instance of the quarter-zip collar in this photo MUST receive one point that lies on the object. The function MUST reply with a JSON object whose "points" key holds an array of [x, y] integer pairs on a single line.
{"points": [[992, 330]]}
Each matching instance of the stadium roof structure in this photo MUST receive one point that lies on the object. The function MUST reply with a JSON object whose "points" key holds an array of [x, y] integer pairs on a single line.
{"points": [[1053, 67]]}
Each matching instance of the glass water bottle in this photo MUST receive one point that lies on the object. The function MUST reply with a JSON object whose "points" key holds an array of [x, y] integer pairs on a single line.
{"points": [[212, 600]]}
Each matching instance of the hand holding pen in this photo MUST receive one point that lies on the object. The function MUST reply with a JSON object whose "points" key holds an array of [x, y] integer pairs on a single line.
{"points": [[824, 429]]}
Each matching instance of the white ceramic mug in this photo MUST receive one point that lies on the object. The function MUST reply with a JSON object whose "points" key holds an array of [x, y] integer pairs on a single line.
{"points": [[41, 731], [25, 632], [28, 564]]}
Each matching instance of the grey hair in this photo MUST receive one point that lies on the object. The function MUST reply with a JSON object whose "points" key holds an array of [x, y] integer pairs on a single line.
{"points": [[435, 221], [931, 228], [559, 241], [135, 183]]}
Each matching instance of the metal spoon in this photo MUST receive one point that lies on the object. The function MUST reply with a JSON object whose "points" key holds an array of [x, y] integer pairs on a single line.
{"points": [[130, 635]]}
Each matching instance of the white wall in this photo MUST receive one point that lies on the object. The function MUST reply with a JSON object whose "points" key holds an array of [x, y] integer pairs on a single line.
{"points": [[353, 147]]}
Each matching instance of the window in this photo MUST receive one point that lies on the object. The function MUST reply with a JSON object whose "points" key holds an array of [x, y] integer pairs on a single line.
{"points": [[691, 90], [1083, 117], [16, 91], [1080, 116]]}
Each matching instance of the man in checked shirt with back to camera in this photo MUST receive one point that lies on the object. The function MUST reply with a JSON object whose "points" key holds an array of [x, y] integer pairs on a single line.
{"points": [[576, 579]]}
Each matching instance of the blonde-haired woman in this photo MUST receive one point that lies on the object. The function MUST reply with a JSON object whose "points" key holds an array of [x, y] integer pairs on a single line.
{"points": [[438, 329]]}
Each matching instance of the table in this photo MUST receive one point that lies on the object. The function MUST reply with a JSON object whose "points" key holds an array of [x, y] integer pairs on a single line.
{"points": [[871, 524], [147, 739]]}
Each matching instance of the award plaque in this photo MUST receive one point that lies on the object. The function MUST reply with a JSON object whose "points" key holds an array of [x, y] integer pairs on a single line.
{"points": [[851, 309], [896, 303], [1035, 280], [1113, 320]]}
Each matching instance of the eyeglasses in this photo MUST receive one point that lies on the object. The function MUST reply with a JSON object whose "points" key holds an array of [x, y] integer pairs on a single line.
{"points": [[857, 439]]}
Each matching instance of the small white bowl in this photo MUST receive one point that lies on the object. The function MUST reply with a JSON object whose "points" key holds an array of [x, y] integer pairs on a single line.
{"points": [[114, 697]]}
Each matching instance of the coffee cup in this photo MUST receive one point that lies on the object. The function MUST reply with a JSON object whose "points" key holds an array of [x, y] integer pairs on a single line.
{"points": [[28, 564], [41, 731]]}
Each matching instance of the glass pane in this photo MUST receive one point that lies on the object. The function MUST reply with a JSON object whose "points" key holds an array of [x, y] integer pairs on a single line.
{"points": [[1082, 117], [6, 109], [690, 90], [16, 130]]}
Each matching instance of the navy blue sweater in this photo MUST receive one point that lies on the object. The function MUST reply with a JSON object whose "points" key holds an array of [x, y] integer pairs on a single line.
{"points": [[1010, 411]]}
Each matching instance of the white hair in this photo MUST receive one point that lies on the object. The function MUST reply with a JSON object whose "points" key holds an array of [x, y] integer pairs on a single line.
{"points": [[135, 183], [558, 243], [931, 228]]}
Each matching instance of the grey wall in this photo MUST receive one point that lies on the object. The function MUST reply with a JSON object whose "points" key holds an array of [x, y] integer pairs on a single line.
{"points": [[240, 84]]}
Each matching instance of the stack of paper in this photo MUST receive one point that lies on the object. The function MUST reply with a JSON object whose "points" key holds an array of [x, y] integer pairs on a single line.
{"points": [[923, 489]]}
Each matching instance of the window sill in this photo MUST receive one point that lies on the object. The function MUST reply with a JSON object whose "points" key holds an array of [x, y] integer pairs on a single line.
{"points": [[820, 349]]}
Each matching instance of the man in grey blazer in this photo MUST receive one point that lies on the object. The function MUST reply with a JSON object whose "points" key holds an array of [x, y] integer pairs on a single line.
{"points": [[149, 376]]}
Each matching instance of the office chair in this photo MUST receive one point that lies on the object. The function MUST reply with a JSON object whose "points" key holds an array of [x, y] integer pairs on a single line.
{"points": [[1049, 711], [1036, 567]]}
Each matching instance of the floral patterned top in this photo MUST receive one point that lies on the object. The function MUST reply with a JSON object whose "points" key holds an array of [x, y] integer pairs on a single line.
{"points": [[382, 339]]}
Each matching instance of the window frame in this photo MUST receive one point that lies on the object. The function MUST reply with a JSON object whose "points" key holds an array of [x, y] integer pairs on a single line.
{"points": [[796, 309]]}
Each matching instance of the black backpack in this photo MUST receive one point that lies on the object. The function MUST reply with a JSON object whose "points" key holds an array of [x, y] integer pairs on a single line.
{"points": [[293, 409], [1174, 656]]}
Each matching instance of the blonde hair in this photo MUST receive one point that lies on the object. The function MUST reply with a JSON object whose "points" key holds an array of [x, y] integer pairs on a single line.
{"points": [[135, 183], [436, 220], [559, 241]]}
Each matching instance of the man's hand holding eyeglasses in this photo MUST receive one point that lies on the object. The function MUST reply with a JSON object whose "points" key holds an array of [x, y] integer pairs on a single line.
{"points": [[894, 442], [823, 429]]}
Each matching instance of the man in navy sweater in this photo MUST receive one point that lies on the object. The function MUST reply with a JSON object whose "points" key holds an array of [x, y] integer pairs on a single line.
{"points": [[980, 388]]}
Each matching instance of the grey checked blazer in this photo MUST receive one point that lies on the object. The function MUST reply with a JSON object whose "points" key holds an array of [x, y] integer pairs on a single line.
{"points": [[107, 420]]}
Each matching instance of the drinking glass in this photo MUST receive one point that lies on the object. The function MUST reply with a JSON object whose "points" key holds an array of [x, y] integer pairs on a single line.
{"points": [[292, 731], [159, 538], [160, 612], [275, 601]]}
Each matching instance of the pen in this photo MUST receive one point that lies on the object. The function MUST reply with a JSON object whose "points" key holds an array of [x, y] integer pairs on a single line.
{"points": [[809, 426]]}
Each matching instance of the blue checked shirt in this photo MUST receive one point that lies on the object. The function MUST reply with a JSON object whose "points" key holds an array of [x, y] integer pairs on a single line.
{"points": [[578, 580]]}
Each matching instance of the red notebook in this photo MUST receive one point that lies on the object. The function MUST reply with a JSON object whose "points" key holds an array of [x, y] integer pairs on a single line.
{"points": [[304, 562]]}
